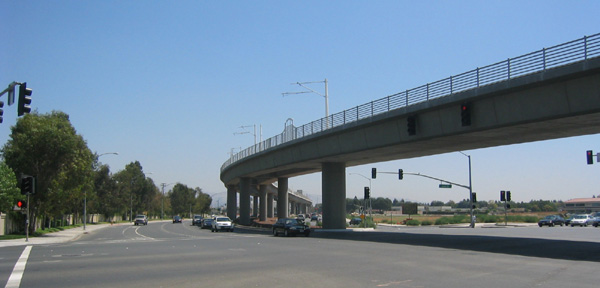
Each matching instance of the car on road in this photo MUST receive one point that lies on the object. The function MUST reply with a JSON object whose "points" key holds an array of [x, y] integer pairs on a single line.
{"points": [[206, 223], [551, 221], [177, 219], [221, 223], [581, 220], [290, 226], [140, 220], [197, 220], [355, 221]]}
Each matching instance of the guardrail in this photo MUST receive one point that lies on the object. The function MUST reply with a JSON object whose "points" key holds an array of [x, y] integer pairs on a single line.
{"points": [[547, 58]]}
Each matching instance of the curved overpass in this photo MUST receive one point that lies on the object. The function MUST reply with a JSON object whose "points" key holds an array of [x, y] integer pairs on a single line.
{"points": [[547, 94]]}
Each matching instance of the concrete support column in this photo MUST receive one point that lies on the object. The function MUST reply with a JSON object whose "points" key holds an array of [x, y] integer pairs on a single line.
{"points": [[231, 202], [333, 185], [263, 202], [270, 211], [282, 198], [254, 206], [245, 201]]}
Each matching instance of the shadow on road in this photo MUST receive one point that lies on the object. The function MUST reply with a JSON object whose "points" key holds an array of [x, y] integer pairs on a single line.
{"points": [[530, 247]]}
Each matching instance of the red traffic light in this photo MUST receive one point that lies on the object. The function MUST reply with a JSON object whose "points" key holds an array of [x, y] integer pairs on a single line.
{"points": [[590, 157], [21, 204]]}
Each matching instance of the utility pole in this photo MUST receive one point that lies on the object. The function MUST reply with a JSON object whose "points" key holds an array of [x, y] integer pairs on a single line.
{"points": [[326, 96]]}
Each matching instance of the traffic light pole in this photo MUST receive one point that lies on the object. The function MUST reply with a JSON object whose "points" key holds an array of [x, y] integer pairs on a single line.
{"points": [[27, 221], [472, 225]]}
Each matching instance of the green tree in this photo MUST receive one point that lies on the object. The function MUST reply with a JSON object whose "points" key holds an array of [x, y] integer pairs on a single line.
{"points": [[48, 147], [182, 198], [381, 203], [107, 200], [9, 192], [135, 192]]}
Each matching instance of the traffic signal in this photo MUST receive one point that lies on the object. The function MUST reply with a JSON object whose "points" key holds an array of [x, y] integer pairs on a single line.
{"points": [[27, 185], [502, 196], [508, 196], [373, 173], [24, 99], [367, 192], [589, 154], [400, 174], [474, 197], [465, 114], [21, 204], [1, 111], [411, 123]]}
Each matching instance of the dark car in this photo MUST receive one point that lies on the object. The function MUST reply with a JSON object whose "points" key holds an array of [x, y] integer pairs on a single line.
{"points": [[177, 219], [552, 220], [355, 221], [197, 220], [206, 223], [290, 226]]}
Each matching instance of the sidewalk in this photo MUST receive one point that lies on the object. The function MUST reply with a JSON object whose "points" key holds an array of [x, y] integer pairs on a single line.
{"points": [[56, 237]]}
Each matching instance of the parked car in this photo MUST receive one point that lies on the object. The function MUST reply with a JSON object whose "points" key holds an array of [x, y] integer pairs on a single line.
{"points": [[568, 220], [140, 220], [582, 220], [177, 219], [197, 219], [221, 223], [355, 221], [206, 223], [595, 222], [552, 220], [301, 217], [290, 226]]}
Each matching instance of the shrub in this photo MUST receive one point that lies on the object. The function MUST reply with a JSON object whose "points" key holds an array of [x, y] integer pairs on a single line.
{"points": [[426, 223], [413, 222]]}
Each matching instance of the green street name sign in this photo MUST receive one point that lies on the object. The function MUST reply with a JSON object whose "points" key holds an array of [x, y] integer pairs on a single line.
{"points": [[445, 185]]}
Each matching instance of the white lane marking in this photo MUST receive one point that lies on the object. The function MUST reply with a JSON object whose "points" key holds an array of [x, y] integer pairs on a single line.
{"points": [[14, 281]]}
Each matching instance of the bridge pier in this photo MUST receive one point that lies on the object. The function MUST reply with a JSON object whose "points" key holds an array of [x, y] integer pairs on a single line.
{"points": [[255, 205], [282, 198], [333, 182], [263, 202], [231, 202], [245, 201], [270, 211]]}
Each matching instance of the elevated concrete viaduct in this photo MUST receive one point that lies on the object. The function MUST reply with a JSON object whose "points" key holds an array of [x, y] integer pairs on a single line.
{"points": [[548, 104]]}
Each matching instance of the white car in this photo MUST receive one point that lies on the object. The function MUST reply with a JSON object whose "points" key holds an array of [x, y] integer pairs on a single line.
{"points": [[582, 220], [221, 223]]}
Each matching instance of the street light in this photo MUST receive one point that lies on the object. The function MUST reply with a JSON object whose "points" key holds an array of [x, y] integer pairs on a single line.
{"points": [[470, 190], [85, 193], [326, 96]]}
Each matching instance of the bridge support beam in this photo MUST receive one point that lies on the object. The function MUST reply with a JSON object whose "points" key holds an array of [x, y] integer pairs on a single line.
{"points": [[270, 206], [245, 201], [263, 202], [333, 184], [282, 198], [231, 202]]}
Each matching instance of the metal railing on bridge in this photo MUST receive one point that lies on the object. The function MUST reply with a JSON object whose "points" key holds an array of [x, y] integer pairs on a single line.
{"points": [[567, 53]]}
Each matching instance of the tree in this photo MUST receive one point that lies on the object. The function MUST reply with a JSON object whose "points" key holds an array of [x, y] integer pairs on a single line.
{"points": [[135, 192], [9, 193], [383, 204], [182, 199], [108, 200], [48, 147]]}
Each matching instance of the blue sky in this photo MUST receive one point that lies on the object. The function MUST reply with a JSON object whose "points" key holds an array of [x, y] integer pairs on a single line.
{"points": [[168, 83]]}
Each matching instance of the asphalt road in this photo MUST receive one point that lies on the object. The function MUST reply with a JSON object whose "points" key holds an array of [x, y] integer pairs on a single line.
{"points": [[163, 254]]}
